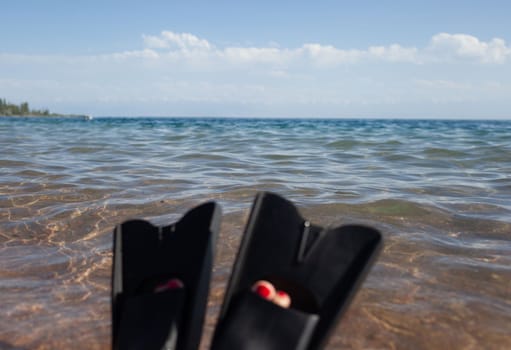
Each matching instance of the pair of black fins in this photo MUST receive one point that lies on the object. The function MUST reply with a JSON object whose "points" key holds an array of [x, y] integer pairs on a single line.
{"points": [[319, 268]]}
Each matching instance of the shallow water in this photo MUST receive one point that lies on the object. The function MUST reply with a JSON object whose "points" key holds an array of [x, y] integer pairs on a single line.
{"points": [[440, 191]]}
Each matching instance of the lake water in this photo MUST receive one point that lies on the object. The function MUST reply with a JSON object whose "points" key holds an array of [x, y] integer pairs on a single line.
{"points": [[440, 191]]}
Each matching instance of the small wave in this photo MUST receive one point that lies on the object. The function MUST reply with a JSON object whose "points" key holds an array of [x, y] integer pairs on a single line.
{"points": [[344, 144], [443, 153], [83, 150]]}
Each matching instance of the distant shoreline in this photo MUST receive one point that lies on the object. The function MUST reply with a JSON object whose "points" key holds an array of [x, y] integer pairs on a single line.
{"points": [[23, 110]]}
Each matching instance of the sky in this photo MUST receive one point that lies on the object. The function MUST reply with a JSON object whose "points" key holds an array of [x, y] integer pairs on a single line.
{"points": [[328, 59]]}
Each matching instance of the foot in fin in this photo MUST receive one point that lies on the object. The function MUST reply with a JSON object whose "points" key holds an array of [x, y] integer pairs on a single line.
{"points": [[319, 269], [282, 299], [171, 284], [160, 281], [267, 291]]}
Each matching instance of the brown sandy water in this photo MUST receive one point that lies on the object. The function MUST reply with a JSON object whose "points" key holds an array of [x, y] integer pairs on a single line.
{"points": [[440, 281], [443, 279]]}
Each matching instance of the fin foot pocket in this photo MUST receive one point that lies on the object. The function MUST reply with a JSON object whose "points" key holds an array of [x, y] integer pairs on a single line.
{"points": [[255, 323]]}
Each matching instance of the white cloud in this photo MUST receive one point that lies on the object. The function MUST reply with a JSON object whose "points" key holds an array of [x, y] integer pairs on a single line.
{"points": [[395, 53], [154, 42], [144, 54], [189, 48], [171, 40], [329, 55], [446, 46], [254, 55], [443, 47], [187, 45]]}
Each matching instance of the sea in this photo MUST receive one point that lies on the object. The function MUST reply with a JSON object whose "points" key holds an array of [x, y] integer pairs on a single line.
{"points": [[438, 190]]}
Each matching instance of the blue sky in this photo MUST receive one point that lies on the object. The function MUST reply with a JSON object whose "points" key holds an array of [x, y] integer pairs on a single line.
{"points": [[389, 59]]}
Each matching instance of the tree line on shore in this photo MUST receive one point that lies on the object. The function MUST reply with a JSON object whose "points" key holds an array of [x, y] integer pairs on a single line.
{"points": [[23, 109]]}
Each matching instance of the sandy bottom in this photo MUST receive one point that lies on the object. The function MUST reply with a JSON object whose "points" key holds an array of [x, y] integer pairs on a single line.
{"points": [[440, 282]]}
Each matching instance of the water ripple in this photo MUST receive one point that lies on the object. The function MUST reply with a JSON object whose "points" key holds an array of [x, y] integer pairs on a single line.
{"points": [[439, 190]]}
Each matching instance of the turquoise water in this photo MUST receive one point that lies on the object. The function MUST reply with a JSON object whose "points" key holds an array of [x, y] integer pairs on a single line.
{"points": [[439, 190]]}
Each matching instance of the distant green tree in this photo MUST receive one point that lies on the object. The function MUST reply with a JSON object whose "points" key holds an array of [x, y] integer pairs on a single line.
{"points": [[3, 106], [24, 109], [11, 109]]}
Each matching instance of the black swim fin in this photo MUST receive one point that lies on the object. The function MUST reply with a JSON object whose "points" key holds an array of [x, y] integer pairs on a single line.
{"points": [[146, 316], [319, 268]]}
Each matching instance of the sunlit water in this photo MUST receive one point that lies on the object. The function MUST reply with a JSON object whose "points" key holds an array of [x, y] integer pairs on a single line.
{"points": [[440, 191]]}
